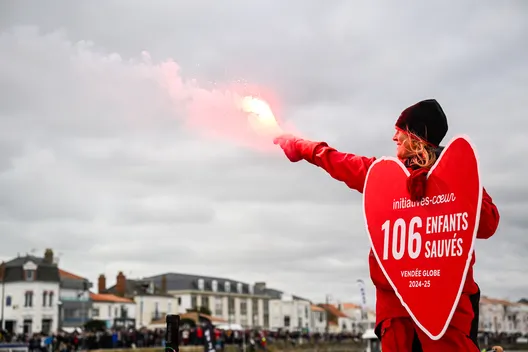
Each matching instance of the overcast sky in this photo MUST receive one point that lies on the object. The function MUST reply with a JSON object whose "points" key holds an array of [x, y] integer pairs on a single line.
{"points": [[104, 158]]}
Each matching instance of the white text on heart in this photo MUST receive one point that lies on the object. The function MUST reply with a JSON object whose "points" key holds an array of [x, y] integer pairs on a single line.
{"points": [[404, 239], [446, 223], [444, 248], [406, 203]]}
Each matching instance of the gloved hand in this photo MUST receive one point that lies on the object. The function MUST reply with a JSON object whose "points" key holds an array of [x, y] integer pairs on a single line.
{"points": [[287, 143]]}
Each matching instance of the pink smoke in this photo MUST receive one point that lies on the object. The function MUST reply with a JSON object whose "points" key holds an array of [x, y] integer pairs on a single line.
{"points": [[215, 112]]}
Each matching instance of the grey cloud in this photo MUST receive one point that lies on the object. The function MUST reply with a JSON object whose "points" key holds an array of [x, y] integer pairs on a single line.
{"points": [[97, 157]]}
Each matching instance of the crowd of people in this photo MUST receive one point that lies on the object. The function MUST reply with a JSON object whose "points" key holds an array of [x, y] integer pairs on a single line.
{"points": [[254, 340], [138, 338]]}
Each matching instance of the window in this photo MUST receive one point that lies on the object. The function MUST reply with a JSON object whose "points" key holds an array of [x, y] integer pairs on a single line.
{"points": [[156, 311], [286, 321], [30, 275], [194, 302], [205, 302], [254, 306], [109, 311], [50, 299], [201, 284], [169, 307], [266, 320], [124, 311], [44, 298], [28, 299], [250, 289], [8, 301], [95, 312], [231, 305], [239, 287], [243, 307], [179, 301], [320, 317], [214, 285], [306, 312], [266, 313], [227, 286], [219, 306], [116, 312]]}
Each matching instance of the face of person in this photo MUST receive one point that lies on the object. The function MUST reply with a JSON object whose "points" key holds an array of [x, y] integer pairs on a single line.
{"points": [[402, 144]]}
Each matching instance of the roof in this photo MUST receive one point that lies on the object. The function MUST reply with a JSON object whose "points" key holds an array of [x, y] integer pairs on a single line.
{"points": [[488, 300], [315, 308], [350, 306], [72, 281], [46, 272], [139, 287], [67, 275], [330, 308], [276, 294], [110, 298], [187, 282]]}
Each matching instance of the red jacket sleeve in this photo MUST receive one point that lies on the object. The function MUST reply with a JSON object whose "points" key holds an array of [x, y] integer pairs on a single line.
{"points": [[489, 217], [348, 168]]}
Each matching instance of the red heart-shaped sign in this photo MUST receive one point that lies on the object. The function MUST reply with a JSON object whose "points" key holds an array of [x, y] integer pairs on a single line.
{"points": [[425, 248]]}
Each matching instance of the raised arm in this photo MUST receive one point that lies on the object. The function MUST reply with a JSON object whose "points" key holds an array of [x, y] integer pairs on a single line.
{"points": [[348, 168], [489, 217]]}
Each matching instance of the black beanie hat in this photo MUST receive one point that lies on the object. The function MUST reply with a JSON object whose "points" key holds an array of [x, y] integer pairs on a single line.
{"points": [[426, 120]]}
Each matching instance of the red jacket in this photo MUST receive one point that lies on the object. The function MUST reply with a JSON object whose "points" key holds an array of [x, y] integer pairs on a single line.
{"points": [[352, 170]]}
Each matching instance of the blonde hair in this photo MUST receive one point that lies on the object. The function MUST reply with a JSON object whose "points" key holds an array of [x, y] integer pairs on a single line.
{"points": [[422, 154]]}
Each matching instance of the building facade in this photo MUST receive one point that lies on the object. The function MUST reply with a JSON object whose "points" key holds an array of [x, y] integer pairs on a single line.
{"points": [[361, 318], [318, 319], [288, 312], [502, 316], [338, 321], [153, 303], [232, 301], [115, 311], [74, 298], [30, 291]]}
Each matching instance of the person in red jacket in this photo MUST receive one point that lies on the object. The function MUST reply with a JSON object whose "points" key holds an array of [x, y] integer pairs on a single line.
{"points": [[419, 131]]}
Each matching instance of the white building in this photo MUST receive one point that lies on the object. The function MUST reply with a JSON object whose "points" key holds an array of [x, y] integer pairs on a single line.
{"points": [[232, 301], [153, 307], [114, 310], [502, 316], [362, 319], [318, 319], [288, 312], [30, 291], [338, 321], [153, 303], [519, 318]]}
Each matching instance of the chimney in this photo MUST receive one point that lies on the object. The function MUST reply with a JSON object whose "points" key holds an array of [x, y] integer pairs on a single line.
{"points": [[120, 286], [164, 284], [48, 256], [260, 286], [101, 284]]}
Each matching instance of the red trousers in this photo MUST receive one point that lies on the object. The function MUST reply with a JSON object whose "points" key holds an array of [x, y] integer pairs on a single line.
{"points": [[398, 334]]}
